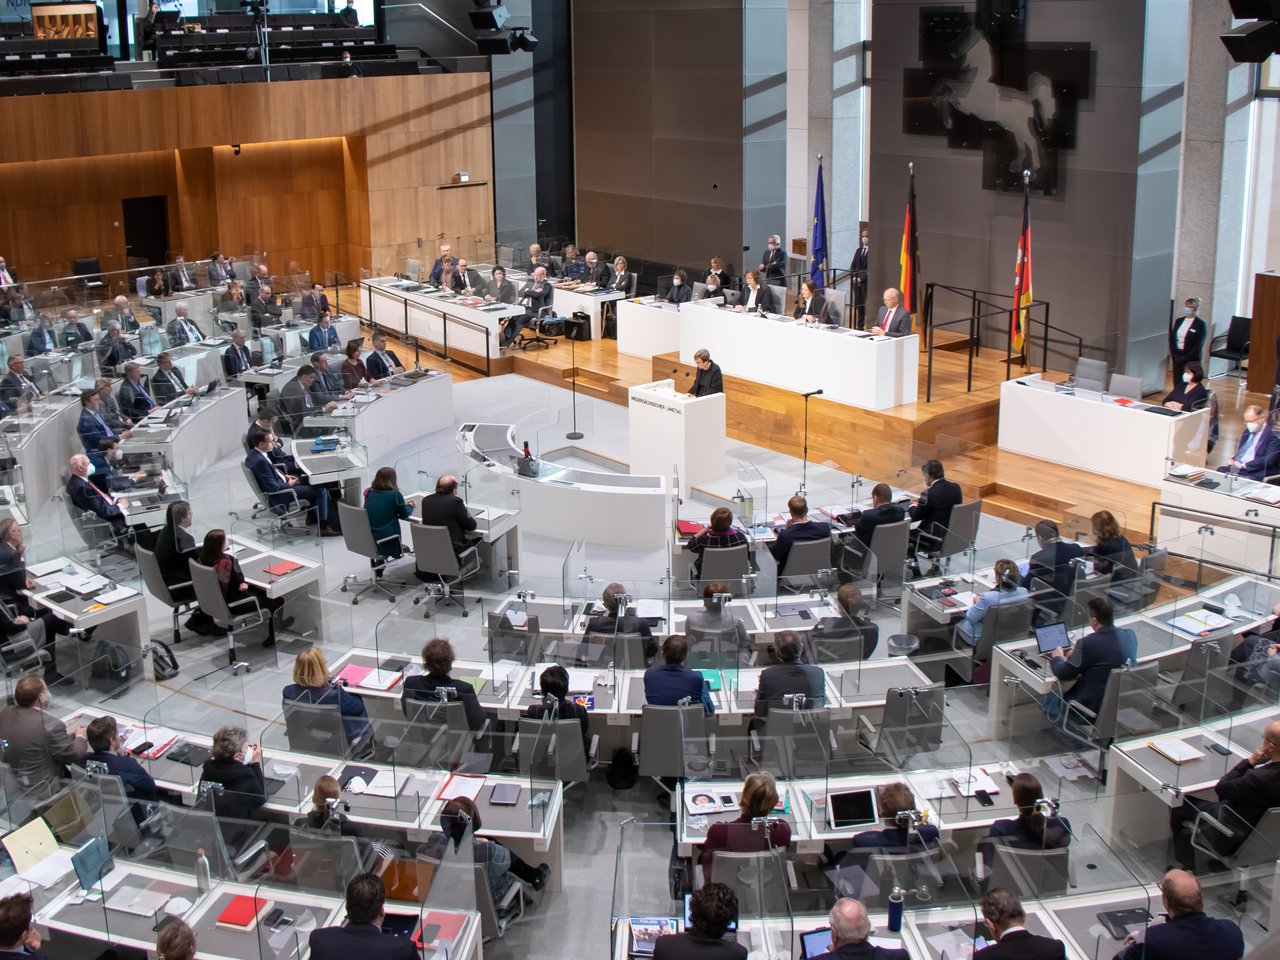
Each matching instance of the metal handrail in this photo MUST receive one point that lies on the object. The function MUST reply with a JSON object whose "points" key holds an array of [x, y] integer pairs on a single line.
{"points": [[417, 343], [1271, 531]]}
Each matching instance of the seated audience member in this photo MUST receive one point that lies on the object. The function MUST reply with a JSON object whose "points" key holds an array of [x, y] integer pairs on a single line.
{"points": [[539, 259], [176, 941], [1258, 454], [75, 332], [362, 934], [437, 660], [572, 266], [16, 626], [811, 307], [323, 336], [798, 528], [114, 350], [236, 766], [757, 297], [711, 288], [854, 624], [539, 292], [175, 547], [326, 815], [354, 372], [746, 834], [158, 285], [501, 290], [1009, 589], [109, 407], [672, 682], [931, 511], [105, 747], [121, 314], [445, 508], [168, 382], [1052, 563], [19, 937], [472, 284], [621, 276], [883, 510], [313, 684], [719, 534], [182, 277], [709, 380], [1031, 829], [386, 507], [37, 745], [1100, 652], [43, 337], [1245, 793], [714, 620], [448, 274], [326, 387], [237, 358], [459, 818], [382, 362], [213, 553], [1111, 552], [1188, 932], [88, 496], [1188, 393], [850, 930], [1006, 923], [789, 678], [221, 270], [17, 388], [232, 299], [892, 319], [264, 311], [617, 621], [315, 303], [597, 272], [181, 330], [680, 291], [433, 277], [711, 910], [554, 685], [135, 399], [897, 804], [280, 488], [261, 426]]}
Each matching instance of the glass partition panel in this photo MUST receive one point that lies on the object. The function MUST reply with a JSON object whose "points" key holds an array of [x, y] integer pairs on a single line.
{"points": [[456, 869], [187, 718], [318, 865], [643, 906]]}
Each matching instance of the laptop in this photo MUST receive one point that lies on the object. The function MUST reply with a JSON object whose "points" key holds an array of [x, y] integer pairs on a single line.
{"points": [[1051, 636], [92, 862]]}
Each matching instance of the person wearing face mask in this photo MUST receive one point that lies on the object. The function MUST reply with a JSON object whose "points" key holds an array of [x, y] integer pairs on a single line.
{"points": [[774, 264], [107, 457], [858, 272], [679, 292], [713, 288], [87, 493], [1186, 338], [1189, 393], [1258, 454]]}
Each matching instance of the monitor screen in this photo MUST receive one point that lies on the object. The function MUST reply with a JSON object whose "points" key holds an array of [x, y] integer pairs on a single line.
{"points": [[1052, 636], [855, 808]]}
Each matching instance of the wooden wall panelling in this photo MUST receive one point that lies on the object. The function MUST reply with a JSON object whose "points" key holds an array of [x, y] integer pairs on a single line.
{"points": [[355, 177], [1263, 332], [197, 204]]}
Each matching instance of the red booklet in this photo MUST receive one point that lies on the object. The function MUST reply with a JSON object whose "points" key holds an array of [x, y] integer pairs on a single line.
{"points": [[438, 926], [283, 567], [243, 912], [689, 527]]}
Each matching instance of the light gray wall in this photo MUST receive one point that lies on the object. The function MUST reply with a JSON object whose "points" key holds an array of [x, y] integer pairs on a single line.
{"points": [[514, 173], [764, 127]]}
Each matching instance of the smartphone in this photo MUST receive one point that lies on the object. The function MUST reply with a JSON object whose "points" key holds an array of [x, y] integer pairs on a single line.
{"points": [[142, 748], [984, 798], [1219, 748], [272, 918], [805, 614]]}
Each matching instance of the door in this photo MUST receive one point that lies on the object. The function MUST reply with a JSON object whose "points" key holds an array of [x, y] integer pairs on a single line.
{"points": [[146, 229]]}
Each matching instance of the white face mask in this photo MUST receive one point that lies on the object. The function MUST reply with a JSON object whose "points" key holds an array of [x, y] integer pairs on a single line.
{"points": [[773, 246], [675, 282], [866, 241], [1189, 311], [1253, 426], [1186, 378], [92, 469]]}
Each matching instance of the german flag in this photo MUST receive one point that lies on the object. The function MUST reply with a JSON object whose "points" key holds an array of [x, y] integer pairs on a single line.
{"points": [[909, 258], [1022, 295]]}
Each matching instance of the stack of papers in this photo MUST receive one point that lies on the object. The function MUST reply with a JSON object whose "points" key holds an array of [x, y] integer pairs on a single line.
{"points": [[1179, 751], [1199, 622], [119, 593], [460, 785], [968, 782], [44, 569], [504, 671], [1186, 471]]}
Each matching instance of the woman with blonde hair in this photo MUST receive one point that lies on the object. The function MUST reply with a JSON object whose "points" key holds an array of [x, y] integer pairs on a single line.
{"points": [[745, 835], [312, 684]]}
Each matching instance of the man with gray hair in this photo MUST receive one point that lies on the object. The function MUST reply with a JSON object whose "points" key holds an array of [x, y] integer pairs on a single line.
{"points": [[181, 330], [850, 927], [114, 350], [1006, 921], [892, 320], [1258, 454], [121, 312], [236, 766], [774, 264]]}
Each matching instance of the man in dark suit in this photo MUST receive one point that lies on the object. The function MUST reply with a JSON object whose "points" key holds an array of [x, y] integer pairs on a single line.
{"points": [[708, 379], [774, 264], [1245, 793], [328, 386], [263, 309], [799, 527], [1006, 921], [349, 16], [277, 454], [17, 388], [314, 303], [220, 269], [37, 745], [789, 677], [121, 312], [181, 330], [892, 320], [135, 399], [169, 383], [680, 291], [932, 511], [850, 928], [258, 276], [437, 268], [75, 332], [851, 636], [181, 277], [1186, 338], [114, 350], [1188, 932], [92, 426], [43, 337], [597, 272], [671, 682], [617, 621], [858, 271], [1052, 565], [539, 259], [1100, 652], [103, 735], [362, 936], [323, 336], [87, 495], [883, 510], [445, 508], [277, 486], [1258, 454], [297, 402], [539, 293], [382, 363], [237, 359], [19, 936], [471, 283]]}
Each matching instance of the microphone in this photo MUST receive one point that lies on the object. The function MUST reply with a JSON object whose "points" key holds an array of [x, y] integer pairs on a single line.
{"points": [[812, 393]]}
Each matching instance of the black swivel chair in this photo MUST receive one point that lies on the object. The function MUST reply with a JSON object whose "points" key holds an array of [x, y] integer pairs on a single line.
{"points": [[1234, 344]]}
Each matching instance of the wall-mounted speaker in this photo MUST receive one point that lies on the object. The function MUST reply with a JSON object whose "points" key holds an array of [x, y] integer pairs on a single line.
{"points": [[1253, 42]]}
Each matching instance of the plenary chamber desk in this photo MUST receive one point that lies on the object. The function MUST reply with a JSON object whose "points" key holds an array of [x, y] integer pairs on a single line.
{"points": [[435, 316], [1094, 432], [849, 366], [571, 503]]}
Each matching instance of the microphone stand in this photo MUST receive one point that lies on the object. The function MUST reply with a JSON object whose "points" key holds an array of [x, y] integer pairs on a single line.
{"points": [[804, 466], [575, 433]]}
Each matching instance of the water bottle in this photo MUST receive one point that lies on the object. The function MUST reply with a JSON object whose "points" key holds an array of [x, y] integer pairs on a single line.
{"points": [[895, 909], [203, 882]]}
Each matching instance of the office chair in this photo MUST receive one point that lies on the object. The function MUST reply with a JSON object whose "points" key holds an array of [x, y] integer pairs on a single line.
{"points": [[357, 535], [1002, 623], [1123, 385], [434, 556], [959, 537], [287, 519], [1234, 345], [149, 567], [1091, 374], [672, 742], [539, 339], [808, 565], [231, 616], [553, 749], [728, 565]]}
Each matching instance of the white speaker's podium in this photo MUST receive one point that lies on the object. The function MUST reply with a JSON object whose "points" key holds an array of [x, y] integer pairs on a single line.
{"points": [[672, 433]]}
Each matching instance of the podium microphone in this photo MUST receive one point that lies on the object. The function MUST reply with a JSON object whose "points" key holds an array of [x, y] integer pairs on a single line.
{"points": [[804, 468], [812, 393]]}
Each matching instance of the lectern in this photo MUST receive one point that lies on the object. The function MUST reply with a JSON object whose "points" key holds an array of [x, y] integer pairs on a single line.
{"points": [[672, 433]]}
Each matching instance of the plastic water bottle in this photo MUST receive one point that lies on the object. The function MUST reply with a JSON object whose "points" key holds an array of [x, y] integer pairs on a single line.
{"points": [[896, 898], [203, 881]]}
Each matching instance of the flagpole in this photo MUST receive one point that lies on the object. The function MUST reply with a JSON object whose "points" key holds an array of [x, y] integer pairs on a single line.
{"points": [[1026, 323], [826, 223]]}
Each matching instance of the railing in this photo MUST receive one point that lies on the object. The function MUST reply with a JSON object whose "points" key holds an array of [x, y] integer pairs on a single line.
{"points": [[1208, 518], [981, 309], [446, 318]]}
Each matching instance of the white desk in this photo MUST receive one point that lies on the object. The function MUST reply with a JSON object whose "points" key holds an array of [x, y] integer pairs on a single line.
{"points": [[849, 366], [648, 327], [1100, 436], [42, 442], [675, 435], [291, 341], [591, 302], [1233, 499], [414, 310], [207, 431], [124, 621], [198, 302], [411, 405]]}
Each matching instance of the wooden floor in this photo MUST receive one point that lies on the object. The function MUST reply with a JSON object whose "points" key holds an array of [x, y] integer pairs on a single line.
{"points": [[958, 427]]}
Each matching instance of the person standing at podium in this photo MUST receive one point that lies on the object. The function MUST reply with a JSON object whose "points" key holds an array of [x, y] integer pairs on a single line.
{"points": [[709, 380]]}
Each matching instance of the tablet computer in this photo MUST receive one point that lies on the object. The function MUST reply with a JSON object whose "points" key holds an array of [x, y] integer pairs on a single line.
{"points": [[1051, 636], [853, 809], [504, 794], [815, 943]]}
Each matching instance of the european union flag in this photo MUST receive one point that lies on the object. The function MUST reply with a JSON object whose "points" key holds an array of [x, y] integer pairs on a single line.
{"points": [[818, 247]]}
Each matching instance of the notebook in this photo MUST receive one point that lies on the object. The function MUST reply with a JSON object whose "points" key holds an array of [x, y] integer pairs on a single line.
{"points": [[242, 912], [282, 568]]}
